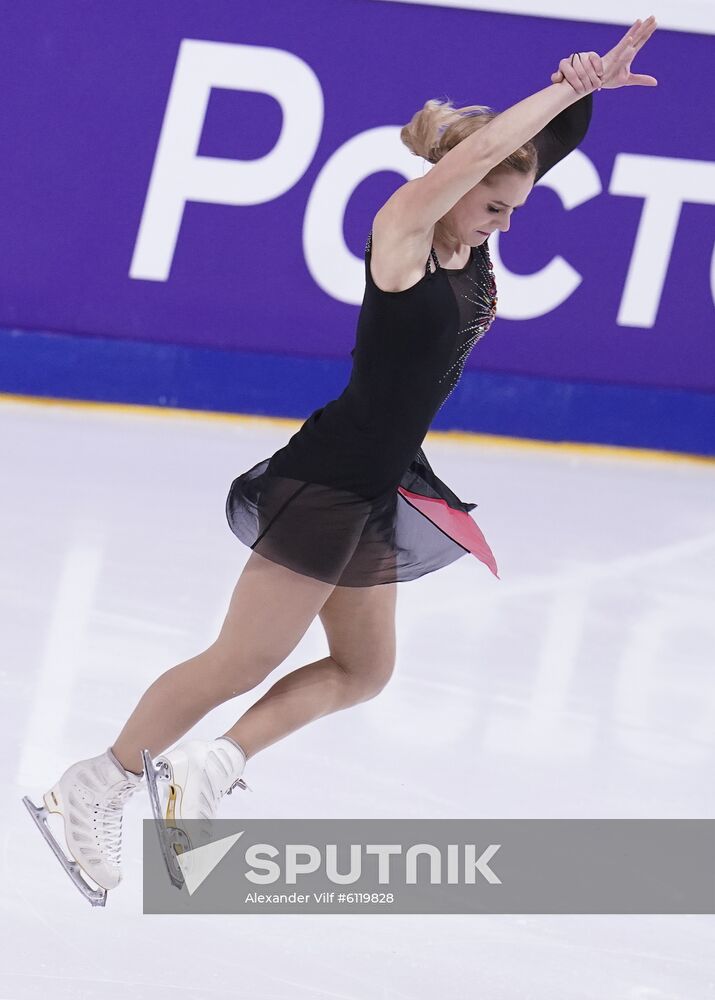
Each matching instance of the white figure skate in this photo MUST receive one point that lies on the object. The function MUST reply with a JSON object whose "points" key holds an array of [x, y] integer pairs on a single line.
{"points": [[90, 797], [198, 774]]}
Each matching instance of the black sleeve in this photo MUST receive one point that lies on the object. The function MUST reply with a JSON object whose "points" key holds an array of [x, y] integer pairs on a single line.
{"points": [[562, 134]]}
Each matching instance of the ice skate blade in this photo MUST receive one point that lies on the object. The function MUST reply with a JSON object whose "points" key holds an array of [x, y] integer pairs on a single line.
{"points": [[169, 836], [97, 897]]}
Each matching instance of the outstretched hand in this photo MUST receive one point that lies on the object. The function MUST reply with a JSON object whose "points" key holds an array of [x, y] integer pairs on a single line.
{"points": [[588, 71]]}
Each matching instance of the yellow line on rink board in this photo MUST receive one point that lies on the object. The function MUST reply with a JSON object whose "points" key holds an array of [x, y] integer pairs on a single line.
{"points": [[292, 423]]}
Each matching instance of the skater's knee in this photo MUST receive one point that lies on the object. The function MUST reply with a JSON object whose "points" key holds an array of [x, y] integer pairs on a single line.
{"points": [[366, 680]]}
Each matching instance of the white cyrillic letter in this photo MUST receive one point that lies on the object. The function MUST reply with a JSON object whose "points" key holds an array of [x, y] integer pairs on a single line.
{"points": [[664, 183], [525, 296], [333, 267], [180, 175]]}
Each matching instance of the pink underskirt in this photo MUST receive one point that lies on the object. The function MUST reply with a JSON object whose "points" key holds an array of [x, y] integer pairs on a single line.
{"points": [[458, 524]]}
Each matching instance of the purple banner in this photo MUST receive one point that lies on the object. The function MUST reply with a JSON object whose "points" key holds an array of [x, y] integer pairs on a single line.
{"points": [[207, 174]]}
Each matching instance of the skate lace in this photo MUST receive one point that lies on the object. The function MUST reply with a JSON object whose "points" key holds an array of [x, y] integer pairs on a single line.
{"points": [[110, 812]]}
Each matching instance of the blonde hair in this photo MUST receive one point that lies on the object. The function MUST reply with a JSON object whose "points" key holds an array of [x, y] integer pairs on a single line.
{"points": [[438, 127]]}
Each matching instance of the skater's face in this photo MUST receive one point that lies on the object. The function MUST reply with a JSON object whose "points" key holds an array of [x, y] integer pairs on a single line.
{"points": [[488, 206]]}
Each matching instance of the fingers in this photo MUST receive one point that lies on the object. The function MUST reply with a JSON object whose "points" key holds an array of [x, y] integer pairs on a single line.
{"points": [[572, 73], [589, 64], [640, 79], [596, 62], [583, 71], [568, 73], [587, 68], [644, 32], [628, 39], [638, 34], [633, 33], [641, 37]]}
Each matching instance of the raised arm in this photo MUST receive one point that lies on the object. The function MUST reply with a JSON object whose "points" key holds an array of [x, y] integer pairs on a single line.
{"points": [[416, 206], [569, 127], [563, 134], [547, 117]]}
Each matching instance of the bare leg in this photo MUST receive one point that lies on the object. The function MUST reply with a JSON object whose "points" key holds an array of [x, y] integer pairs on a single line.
{"points": [[300, 697], [175, 702], [270, 611], [360, 627]]}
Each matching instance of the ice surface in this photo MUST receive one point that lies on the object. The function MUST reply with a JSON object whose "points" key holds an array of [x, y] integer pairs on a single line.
{"points": [[582, 684]]}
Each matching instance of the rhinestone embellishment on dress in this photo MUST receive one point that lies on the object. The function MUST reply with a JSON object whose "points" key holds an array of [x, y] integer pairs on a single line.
{"points": [[482, 294]]}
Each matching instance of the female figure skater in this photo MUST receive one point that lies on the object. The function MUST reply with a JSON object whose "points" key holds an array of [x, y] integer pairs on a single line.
{"points": [[350, 506]]}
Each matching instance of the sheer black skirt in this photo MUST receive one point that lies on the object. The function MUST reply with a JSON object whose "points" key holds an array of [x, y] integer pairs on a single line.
{"points": [[341, 538]]}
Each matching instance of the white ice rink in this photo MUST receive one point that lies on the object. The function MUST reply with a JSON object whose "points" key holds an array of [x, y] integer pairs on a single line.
{"points": [[581, 684]]}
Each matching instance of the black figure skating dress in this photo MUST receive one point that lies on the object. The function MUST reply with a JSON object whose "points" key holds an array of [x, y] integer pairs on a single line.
{"points": [[352, 499]]}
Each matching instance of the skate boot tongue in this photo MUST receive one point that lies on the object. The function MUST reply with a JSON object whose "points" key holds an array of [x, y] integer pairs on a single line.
{"points": [[110, 796]]}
